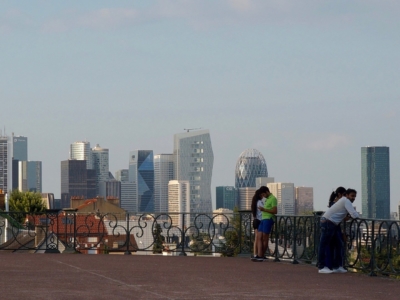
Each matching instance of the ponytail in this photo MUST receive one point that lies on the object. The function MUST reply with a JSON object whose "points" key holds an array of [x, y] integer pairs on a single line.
{"points": [[331, 198], [340, 190]]}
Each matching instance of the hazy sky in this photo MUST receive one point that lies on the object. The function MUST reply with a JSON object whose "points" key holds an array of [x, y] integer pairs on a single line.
{"points": [[307, 83]]}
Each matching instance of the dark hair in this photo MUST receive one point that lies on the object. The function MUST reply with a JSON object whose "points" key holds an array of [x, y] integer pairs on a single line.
{"points": [[339, 190], [349, 191], [256, 197]]}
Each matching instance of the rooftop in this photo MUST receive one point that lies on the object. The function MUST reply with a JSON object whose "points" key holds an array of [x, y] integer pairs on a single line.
{"points": [[69, 276]]}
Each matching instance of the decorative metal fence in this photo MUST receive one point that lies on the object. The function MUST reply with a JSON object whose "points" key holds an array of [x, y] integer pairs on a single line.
{"points": [[372, 246]]}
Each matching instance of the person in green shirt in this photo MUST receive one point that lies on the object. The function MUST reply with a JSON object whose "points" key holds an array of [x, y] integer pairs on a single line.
{"points": [[268, 215]]}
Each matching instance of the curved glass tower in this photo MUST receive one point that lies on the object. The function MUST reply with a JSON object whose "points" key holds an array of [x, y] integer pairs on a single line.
{"points": [[250, 165]]}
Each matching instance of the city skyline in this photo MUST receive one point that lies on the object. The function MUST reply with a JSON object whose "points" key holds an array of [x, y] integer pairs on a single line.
{"points": [[307, 84], [393, 206]]}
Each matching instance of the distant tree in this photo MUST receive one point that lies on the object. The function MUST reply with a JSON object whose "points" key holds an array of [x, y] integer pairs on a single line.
{"points": [[232, 236], [22, 203]]}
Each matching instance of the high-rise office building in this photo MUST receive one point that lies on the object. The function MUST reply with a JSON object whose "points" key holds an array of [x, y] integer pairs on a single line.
{"points": [[179, 202], [226, 197], [193, 162], [141, 171], [285, 194], [100, 159], [122, 175], [35, 176], [19, 153], [263, 181], [304, 200], [81, 151], [91, 181], [245, 197], [5, 163], [375, 182], [163, 173], [23, 176], [110, 188], [20, 147], [128, 200], [73, 180], [30, 176], [250, 165]]}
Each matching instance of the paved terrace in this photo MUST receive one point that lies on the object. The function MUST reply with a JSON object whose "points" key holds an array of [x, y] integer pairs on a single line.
{"points": [[78, 276]]}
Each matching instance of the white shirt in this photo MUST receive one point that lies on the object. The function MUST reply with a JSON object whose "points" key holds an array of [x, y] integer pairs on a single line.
{"points": [[338, 211], [259, 212]]}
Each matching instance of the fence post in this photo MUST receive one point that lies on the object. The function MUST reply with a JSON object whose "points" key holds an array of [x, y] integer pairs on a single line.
{"points": [[295, 262], [372, 262], [245, 225], [68, 247], [52, 241], [128, 235], [182, 253], [276, 241]]}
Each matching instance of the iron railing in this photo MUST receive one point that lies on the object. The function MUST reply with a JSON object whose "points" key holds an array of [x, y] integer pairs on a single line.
{"points": [[372, 246]]}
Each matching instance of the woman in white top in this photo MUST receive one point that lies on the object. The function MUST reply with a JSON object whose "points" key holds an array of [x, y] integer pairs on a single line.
{"points": [[258, 200]]}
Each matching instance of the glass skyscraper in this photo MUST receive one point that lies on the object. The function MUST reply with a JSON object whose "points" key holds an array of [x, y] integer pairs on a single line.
{"points": [[100, 159], [226, 197], [250, 165], [193, 162], [20, 153], [122, 175], [375, 181], [73, 180], [141, 172], [82, 151], [163, 173], [20, 148]]}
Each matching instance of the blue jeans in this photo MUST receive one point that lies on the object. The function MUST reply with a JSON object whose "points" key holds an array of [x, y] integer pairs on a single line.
{"points": [[328, 233], [337, 248]]}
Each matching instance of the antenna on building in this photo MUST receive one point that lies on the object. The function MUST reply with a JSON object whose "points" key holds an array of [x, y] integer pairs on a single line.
{"points": [[188, 129]]}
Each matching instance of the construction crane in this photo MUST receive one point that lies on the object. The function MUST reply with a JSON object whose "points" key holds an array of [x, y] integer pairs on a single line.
{"points": [[188, 129]]}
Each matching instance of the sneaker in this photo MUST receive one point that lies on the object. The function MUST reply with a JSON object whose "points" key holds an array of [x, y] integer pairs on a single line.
{"points": [[325, 270], [340, 270], [265, 258], [257, 259]]}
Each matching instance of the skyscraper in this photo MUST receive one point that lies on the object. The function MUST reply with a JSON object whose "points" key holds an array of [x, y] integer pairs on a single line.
{"points": [[250, 165], [128, 199], [179, 202], [110, 188], [23, 176], [263, 181], [35, 176], [73, 180], [5, 163], [193, 162], [141, 171], [82, 151], [375, 182], [285, 194], [20, 148], [304, 200], [122, 175], [226, 197], [20, 153], [163, 173], [100, 165], [245, 197]]}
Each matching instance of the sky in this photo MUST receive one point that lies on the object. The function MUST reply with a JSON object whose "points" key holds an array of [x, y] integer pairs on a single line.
{"points": [[307, 83]]}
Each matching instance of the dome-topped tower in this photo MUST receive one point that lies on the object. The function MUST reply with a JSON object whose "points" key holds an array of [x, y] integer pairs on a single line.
{"points": [[250, 165]]}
